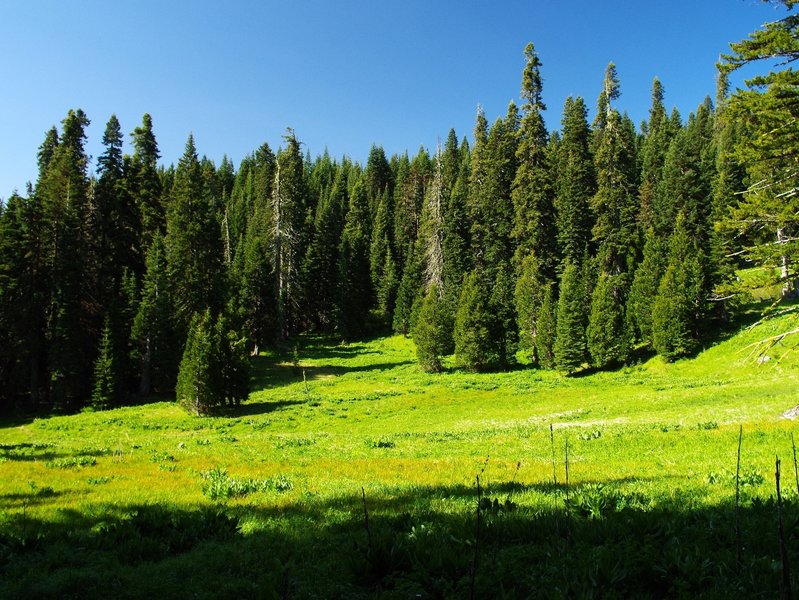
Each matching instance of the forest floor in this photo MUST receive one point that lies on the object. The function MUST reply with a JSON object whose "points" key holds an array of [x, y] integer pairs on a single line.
{"points": [[351, 473]]}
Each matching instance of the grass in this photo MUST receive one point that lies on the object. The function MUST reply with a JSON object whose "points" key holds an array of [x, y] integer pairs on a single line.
{"points": [[267, 500]]}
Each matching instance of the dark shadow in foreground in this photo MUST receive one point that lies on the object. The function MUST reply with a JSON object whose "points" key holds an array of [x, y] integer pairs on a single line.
{"points": [[591, 541]]}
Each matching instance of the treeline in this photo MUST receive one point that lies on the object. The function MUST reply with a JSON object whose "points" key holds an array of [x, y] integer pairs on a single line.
{"points": [[573, 246]]}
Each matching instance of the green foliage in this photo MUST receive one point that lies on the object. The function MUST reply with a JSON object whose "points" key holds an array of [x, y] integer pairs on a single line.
{"points": [[576, 183], [193, 243], [645, 286], [532, 191], [354, 293], [547, 328], [197, 389], [765, 218], [570, 342], [478, 333], [432, 332], [677, 310], [529, 295], [106, 379], [606, 335]]}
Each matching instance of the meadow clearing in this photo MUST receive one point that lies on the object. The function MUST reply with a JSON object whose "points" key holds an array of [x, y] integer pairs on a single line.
{"points": [[351, 473]]}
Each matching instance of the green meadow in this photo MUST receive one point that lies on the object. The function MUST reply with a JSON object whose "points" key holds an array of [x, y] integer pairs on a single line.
{"points": [[350, 473]]}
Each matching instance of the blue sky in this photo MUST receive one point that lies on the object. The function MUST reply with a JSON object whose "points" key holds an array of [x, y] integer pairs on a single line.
{"points": [[343, 74]]}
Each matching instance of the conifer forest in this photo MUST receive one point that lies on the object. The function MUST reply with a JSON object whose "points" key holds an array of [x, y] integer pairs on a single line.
{"points": [[574, 246], [529, 362]]}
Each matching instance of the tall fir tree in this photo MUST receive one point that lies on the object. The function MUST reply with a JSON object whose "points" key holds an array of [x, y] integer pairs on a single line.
{"points": [[575, 183], [354, 293], [607, 335], [615, 203], [678, 308], [533, 193], [570, 341], [193, 243], [153, 336], [290, 206], [432, 332], [145, 185]]}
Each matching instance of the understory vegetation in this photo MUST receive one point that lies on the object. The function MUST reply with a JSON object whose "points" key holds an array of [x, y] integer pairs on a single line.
{"points": [[350, 472]]}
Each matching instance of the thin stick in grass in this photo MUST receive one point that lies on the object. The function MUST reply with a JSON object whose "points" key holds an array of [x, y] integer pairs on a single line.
{"points": [[476, 556], [787, 593], [552, 446], [366, 522], [737, 500], [795, 469]]}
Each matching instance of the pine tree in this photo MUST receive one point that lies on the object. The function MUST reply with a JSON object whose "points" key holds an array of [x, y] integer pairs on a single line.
{"points": [[575, 183], [678, 307], [197, 388], [106, 379], [377, 178], [570, 342], [529, 296], [490, 204], [615, 203], [456, 242], [476, 348], [354, 293], [64, 188], [193, 243], [645, 286], [153, 336], [767, 216], [653, 156], [411, 287], [547, 328], [380, 255], [146, 184], [290, 205], [432, 332], [606, 334], [533, 193]]}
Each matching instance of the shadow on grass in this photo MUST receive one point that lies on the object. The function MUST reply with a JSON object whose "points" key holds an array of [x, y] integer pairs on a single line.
{"points": [[270, 372], [418, 543]]}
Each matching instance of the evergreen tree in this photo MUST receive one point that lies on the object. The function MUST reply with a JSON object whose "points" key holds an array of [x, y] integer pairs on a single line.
{"points": [[290, 238], [678, 307], [23, 298], [547, 328], [615, 203], [606, 334], [570, 342], [575, 182], [153, 335], [529, 296], [380, 254], [354, 292], [645, 286], [653, 156], [106, 380], [193, 243], [197, 388], [432, 332], [533, 192], [456, 242], [475, 343], [146, 184], [377, 178], [233, 362], [64, 188], [410, 288], [490, 204]]}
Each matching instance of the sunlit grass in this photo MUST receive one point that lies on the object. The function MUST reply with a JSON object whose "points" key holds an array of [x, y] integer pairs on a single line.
{"points": [[344, 418]]}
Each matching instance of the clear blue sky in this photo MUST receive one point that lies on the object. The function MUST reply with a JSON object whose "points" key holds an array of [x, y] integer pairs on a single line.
{"points": [[344, 74]]}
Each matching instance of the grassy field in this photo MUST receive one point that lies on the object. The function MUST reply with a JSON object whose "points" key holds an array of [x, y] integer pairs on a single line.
{"points": [[349, 473]]}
